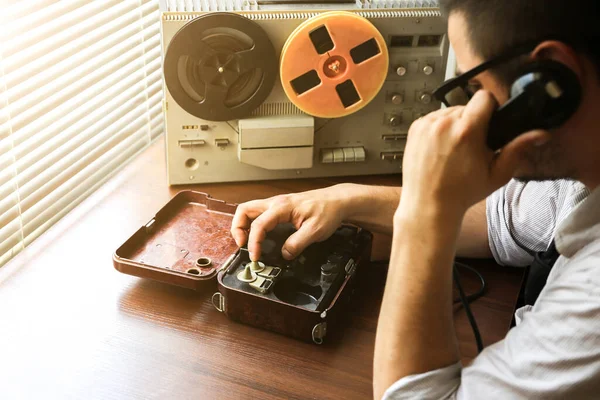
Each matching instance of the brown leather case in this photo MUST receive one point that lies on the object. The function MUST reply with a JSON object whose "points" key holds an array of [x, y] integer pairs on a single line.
{"points": [[175, 245], [191, 226]]}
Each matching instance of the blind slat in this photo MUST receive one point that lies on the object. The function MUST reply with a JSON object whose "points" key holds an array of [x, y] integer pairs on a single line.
{"points": [[78, 108], [28, 140], [63, 195], [69, 203], [85, 61], [80, 21], [33, 29], [75, 161], [79, 42], [80, 95], [11, 227], [11, 230], [29, 9], [34, 216], [34, 203], [95, 82], [77, 149]]}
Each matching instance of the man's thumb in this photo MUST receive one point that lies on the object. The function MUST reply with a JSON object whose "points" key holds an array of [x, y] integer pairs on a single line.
{"points": [[507, 160]]}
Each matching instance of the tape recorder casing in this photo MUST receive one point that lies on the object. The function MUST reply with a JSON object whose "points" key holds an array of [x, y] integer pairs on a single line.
{"points": [[188, 244], [297, 92]]}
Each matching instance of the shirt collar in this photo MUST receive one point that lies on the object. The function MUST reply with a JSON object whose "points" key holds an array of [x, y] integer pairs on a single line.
{"points": [[581, 227]]}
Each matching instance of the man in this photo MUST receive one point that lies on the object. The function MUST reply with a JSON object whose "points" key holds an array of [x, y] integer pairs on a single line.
{"points": [[450, 204]]}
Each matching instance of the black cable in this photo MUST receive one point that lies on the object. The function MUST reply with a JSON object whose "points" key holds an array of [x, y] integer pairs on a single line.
{"points": [[472, 297], [466, 306]]}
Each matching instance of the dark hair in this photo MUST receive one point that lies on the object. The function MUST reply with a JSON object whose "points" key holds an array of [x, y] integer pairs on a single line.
{"points": [[495, 26]]}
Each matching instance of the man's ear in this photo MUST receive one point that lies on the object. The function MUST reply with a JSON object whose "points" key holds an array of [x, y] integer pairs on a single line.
{"points": [[562, 53]]}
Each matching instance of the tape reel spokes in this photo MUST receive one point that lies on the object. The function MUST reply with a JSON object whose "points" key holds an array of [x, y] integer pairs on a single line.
{"points": [[334, 64], [220, 66]]}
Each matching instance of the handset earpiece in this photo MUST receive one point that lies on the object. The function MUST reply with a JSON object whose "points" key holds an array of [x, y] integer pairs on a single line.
{"points": [[544, 96]]}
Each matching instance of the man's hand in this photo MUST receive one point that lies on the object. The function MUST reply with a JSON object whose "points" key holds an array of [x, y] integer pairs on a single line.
{"points": [[316, 214], [447, 163]]}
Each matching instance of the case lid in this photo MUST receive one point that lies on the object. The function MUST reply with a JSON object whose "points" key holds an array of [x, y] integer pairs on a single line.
{"points": [[185, 244]]}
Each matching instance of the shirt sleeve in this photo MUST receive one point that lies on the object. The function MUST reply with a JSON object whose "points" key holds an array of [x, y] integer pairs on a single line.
{"points": [[523, 216], [553, 353], [439, 384]]}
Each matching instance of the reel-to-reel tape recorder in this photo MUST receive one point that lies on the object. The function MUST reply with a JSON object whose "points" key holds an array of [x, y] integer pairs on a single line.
{"points": [[283, 89]]}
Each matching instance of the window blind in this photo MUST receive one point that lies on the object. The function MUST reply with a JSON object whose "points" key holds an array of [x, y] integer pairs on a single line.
{"points": [[80, 95]]}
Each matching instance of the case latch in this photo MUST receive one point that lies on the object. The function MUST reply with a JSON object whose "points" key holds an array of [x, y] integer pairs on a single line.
{"points": [[350, 267], [319, 332], [149, 227], [218, 300]]}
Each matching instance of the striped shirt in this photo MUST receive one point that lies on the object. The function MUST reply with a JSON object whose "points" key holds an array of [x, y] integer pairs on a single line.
{"points": [[554, 351]]}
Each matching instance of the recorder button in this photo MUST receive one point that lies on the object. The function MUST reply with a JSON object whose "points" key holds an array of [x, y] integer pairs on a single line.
{"points": [[338, 155], [359, 154], [348, 154], [327, 156]]}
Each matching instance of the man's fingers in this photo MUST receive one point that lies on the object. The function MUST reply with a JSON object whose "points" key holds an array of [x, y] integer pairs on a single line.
{"points": [[244, 215], [505, 164], [478, 112], [306, 235], [264, 223], [435, 115], [442, 112]]}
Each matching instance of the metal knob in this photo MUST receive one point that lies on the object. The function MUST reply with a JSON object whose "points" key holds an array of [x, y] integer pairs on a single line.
{"points": [[328, 271], [428, 70], [397, 98], [395, 120], [401, 70], [425, 98]]}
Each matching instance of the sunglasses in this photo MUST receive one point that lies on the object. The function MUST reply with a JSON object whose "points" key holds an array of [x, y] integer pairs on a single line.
{"points": [[458, 91]]}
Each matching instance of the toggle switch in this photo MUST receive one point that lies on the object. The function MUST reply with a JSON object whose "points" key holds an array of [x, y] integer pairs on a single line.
{"points": [[425, 98], [397, 99], [222, 142], [392, 155], [395, 120], [191, 143]]}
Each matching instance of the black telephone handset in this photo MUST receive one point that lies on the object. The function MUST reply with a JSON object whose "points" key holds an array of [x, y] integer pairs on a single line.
{"points": [[545, 95]]}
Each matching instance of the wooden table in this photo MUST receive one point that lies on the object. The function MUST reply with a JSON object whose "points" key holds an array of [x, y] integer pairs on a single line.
{"points": [[73, 327]]}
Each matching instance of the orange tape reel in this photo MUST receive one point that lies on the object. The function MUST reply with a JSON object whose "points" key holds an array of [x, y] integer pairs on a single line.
{"points": [[334, 64]]}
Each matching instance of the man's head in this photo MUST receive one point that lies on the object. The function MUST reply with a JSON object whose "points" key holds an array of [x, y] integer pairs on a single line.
{"points": [[483, 29]]}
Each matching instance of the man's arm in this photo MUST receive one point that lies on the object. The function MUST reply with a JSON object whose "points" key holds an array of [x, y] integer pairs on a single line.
{"points": [[473, 239], [373, 208], [415, 333], [317, 213]]}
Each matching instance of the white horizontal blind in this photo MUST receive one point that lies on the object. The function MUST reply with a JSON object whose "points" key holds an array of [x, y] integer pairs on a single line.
{"points": [[80, 95], [237, 5]]}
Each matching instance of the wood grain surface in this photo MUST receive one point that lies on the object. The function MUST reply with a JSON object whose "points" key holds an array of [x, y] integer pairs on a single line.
{"points": [[71, 327]]}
